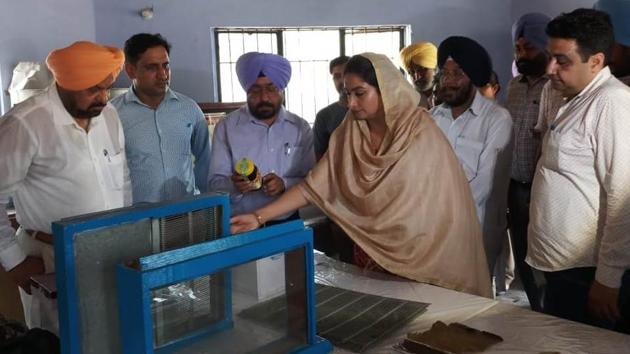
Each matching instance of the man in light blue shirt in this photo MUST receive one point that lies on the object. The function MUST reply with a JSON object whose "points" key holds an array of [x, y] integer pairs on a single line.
{"points": [[163, 129], [480, 132], [278, 142]]}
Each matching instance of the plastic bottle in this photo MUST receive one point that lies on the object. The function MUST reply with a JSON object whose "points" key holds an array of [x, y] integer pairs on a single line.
{"points": [[246, 168]]}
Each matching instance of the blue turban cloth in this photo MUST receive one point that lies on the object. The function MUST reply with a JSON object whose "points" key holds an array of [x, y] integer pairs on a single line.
{"points": [[619, 12], [469, 55], [250, 66], [532, 26]]}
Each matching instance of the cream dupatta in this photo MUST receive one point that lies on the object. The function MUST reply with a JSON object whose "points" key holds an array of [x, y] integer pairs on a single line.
{"points": [[408, 206]]}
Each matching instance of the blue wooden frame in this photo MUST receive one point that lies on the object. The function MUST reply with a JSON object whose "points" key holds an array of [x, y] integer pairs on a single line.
{"points": [[160, 270], [64, 231]]}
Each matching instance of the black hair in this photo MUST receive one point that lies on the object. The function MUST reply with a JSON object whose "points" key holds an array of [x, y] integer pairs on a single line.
{"points": [[494, 78], [591, 29], [338, 61], [139, 43], [362, 67]]}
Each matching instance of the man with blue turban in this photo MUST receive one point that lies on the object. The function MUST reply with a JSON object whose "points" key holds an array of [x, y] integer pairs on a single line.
{"points": [[619, 12], [278, 142]]}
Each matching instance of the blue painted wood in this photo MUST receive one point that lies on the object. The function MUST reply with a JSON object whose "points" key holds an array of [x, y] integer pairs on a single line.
{"points": [[220, 255], [178, 255], [66, 289], [63, 240], [126, 215], [133, 313]]}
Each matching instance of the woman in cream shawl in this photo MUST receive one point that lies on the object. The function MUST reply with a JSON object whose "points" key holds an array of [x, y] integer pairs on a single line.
{"points": [[392, 182]]}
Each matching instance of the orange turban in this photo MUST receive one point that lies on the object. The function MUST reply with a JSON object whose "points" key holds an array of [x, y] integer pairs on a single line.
{"points": [[84, 64], [423, 54]]}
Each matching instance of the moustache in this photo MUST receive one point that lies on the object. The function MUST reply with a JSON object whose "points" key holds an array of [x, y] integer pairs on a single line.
{"points": [[264, 104]]}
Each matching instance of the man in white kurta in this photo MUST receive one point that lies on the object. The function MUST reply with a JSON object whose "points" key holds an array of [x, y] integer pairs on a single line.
{"points": [[580, 209], [62, 155], [480, 132]]}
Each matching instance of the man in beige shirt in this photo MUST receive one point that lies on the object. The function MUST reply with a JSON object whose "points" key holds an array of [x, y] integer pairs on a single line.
{"points": [[580, 208]]}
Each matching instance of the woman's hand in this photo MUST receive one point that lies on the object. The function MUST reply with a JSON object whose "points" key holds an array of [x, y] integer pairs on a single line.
{"points": [[243, 223]]}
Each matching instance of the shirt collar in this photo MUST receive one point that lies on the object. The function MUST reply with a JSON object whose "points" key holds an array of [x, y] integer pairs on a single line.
{"points": [[130, 96], [597, 81], [59, 112], [475, 107]]}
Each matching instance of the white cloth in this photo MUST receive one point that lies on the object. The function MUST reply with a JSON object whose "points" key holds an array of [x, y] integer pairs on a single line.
{"points": [[54, 169], [482, 140], [39, 311], [580, 208]]}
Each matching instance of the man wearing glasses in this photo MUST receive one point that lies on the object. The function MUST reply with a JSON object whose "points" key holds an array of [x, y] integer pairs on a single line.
{"points": [[278, 142], [480, 132]]}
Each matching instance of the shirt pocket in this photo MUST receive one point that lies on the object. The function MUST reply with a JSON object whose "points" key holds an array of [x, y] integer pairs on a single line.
{"points": [[115, 170], [564, 152], [292, 157], [469, 153]]}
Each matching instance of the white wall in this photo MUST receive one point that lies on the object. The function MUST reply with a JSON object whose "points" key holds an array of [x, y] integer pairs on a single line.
{"points": [[30, 29]]}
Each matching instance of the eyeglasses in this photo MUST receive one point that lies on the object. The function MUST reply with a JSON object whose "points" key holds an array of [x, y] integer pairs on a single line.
{"points": [[257, 91]]}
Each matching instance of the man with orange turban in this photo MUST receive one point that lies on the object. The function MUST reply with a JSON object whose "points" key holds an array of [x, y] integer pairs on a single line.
{"points": [[420, 62], [62, 155]]}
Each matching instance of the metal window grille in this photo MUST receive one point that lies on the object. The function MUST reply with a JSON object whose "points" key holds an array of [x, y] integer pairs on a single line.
{"points": [[309, 50]]}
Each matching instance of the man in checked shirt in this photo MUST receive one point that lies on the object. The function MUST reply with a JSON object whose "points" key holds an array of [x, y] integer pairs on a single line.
{"points": [[523, 100]]}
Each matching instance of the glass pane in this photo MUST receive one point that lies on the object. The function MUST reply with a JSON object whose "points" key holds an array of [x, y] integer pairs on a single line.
{"points": [[311, 87], [98, 252], [359, 40], [182, 309], [279, 281]]}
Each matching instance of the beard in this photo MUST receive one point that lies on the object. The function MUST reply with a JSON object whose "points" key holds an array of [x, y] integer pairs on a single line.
{"points": [[91, 112], [456, 97], [423, 85], [532, 67], [263, 110]]}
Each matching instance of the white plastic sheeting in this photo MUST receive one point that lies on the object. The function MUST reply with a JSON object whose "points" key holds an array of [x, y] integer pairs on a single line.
{"points": [[523, 331]]}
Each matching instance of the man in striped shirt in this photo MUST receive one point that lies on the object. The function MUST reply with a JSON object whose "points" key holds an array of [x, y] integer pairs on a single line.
{"points": [[163, 129]]}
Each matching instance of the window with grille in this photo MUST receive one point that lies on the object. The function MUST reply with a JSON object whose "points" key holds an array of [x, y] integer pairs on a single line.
{"points": [[309, 50]]}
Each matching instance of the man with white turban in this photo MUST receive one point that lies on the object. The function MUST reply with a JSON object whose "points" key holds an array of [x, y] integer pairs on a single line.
{"points": [[420, 62], [62, 155], [278, 142]]}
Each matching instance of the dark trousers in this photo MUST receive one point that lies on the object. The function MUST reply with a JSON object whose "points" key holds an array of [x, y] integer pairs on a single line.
{"points": [[566, 296], [518, 218]]}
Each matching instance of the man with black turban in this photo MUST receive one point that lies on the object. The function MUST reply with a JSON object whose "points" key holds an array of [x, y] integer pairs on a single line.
{"points": [[277, 141], [480, 132]]}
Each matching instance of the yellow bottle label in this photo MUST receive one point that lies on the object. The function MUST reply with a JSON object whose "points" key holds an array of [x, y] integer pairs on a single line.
{"points": [[244, 167]]}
